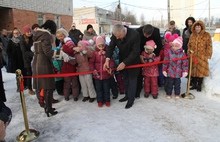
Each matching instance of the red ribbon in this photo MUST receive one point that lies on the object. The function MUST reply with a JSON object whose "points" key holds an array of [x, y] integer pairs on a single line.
{"points": [[90, 72]]}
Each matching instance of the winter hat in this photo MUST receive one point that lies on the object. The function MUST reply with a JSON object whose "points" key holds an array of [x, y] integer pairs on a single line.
{"points": [[73, 25], [69, 42], [169, 37], [89, 26], [100, 40], [62, 31], [26, 29], [84, 44], [150, 45], [178, 41]]}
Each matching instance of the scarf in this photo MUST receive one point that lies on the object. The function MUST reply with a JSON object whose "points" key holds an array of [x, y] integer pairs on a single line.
{"points": [[15, 39]]}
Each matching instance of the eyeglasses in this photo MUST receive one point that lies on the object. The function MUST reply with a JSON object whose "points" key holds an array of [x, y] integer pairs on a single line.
{"points": [[15, 33]]}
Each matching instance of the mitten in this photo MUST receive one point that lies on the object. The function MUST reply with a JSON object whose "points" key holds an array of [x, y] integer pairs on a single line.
{"points": [[165, 73], [95, 73], [32, 48], [84, 51]]}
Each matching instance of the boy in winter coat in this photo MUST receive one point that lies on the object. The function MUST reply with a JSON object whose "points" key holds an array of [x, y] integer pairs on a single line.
{"points": [[175, 69], [82, 56], [102, 78], [150, 73]]}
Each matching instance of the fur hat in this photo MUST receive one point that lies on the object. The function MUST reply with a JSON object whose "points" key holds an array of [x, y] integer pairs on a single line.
{"points": [[178, 41], [89, 26], [150, 45], [26, 29], [99, 39], [169, 37]]}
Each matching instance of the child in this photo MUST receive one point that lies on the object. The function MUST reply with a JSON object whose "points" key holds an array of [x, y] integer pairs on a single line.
{"points": [[150, 73], [102, 79], [82, 56], [174, 69], [68, 67]]}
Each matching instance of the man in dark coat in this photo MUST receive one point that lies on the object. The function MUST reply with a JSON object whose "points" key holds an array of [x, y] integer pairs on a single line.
{"points": [[147, 32], [75, 33], [128, 42]]}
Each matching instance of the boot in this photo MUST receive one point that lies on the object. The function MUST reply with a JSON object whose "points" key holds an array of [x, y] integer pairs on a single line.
{"points": [[194, 83], [41, 101], [129, 104], [48, 96], [31, 92], [199, 87], [123, 99]]}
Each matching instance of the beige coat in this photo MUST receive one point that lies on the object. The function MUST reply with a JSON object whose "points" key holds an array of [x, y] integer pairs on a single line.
{"points": [[201, 45]]}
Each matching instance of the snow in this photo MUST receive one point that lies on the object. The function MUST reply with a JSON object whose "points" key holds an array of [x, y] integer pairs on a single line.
{"points": [[149, 120]]}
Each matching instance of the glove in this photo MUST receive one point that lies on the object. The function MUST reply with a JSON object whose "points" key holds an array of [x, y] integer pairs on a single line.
{"points": [[95, 73], [65, 56], [32, 48], [165, 73], [185, 74]]}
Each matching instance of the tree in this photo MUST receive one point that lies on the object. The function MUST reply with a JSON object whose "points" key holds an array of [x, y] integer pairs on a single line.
{"points": [[142, 19]]}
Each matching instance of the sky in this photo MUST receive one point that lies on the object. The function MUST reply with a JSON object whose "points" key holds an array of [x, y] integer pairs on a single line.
{"points": [[150, 8], [149, 120]]}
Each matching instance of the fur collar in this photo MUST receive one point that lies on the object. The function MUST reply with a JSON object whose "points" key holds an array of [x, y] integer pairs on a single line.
{"points": [[43, 30]]}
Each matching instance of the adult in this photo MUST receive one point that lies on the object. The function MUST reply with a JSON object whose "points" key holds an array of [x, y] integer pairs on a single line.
{"points": [[5, 40], [2, 90], [89, 33], [128, 42], [26, 42], [75, 33], [42, 63], [147, 32], [200, 43], [173, 29], [187, 32]]}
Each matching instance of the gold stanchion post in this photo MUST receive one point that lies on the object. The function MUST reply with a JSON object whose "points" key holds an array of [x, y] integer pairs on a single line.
{"points": [[27, 134], [189, 95]]}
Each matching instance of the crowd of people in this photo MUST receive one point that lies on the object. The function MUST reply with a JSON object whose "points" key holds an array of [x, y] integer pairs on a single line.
{"points": [[35, 52]]}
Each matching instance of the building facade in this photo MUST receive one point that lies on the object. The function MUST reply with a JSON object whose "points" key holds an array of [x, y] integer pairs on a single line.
{"points": [[18, 13], [180, 10], [102, 20]]}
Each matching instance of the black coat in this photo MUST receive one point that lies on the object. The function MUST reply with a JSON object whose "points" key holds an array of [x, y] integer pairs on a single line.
{"points": [[129, 51], [155, 37], [75, 34], [16, 57], [26, 51]]}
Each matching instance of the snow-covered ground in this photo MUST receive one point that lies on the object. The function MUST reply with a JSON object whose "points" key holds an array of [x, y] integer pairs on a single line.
{"points": [[148, 120]]}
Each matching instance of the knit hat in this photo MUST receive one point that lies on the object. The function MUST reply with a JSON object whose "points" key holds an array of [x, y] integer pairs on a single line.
{"points": [[178, 41], [99, 39], [84, 44], [150, 45], [169, 37], [73, 25], [89, 26], [26, 29]]}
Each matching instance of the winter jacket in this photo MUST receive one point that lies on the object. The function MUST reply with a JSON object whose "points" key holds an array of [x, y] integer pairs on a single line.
{"points": [[57, 66], [26, 51], [155, 36], [88, 35], [201, 45], [83, 60], [96, 63], [42, 63], [68, 49], [5, 41], [150, 71], [129, 49], [15, 54], [75, 34], [175, 68]]}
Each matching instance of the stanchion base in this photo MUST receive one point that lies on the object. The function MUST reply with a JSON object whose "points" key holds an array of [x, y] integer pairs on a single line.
{"points": [[28, 136], [188, 96]]}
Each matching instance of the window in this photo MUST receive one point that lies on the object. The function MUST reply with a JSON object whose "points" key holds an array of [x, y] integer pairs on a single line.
{"points": [[40, 19], [57, 20]]}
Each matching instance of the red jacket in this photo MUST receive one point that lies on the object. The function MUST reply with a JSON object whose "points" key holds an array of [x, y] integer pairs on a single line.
{"points": [[67, 67], [96, 63], [150, 71]]}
